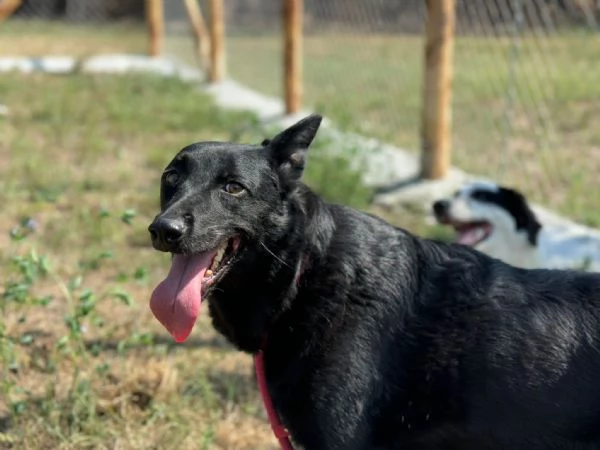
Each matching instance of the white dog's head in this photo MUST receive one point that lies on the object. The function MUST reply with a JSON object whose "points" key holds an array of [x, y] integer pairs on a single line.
{"points": [[493, 219]]}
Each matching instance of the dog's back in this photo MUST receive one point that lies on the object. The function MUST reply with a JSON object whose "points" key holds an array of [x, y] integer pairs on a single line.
{"points": [[436, 346]]}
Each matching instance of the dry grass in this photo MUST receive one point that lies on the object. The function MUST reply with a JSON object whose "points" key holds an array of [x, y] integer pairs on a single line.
{"points": [[40, 38], [82, 161]]}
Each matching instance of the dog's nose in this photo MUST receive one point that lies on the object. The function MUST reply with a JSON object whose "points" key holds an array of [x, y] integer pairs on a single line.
{"points": [[440, 207], [167, 232]]}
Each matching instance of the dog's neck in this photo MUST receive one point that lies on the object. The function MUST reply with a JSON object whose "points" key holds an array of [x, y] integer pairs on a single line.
{"points": [[512, 247], [263, 284]]}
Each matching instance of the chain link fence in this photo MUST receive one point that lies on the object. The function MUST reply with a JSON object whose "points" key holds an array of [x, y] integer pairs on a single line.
{"points": [[526, 93], [526, 97], [73, 28], [80, 10]]}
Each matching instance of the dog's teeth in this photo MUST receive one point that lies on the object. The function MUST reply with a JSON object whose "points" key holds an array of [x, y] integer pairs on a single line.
{"points": [[218, 258], [480, 233], [209, 273]]}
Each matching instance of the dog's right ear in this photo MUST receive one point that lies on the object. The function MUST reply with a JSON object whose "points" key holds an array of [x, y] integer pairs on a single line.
{"points": [[288, 149], [524, 216]]}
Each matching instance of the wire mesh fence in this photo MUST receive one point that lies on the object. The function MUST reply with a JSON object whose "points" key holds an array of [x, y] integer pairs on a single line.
{"points": [[73, 27], [526, 94], [525, 97], [80, 10]]}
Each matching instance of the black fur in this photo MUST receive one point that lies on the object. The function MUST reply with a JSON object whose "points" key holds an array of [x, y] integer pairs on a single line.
{"points": [[387, 341]]}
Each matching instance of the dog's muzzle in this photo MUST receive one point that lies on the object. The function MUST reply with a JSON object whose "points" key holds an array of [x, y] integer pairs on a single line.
{"points": [[167, 233]]}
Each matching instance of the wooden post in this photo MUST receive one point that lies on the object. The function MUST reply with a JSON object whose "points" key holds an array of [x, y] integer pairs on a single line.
{"points": [[156, 25], [217, 47], [436, 119], [200, 31], [7, 8], [292, 54]]}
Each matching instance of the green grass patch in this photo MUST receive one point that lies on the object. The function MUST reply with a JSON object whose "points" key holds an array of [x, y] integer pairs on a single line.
{"points": [[83, 364]]}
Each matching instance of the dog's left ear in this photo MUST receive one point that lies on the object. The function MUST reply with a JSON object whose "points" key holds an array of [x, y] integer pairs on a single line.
{"points": [[524, 217], [288, 149]]}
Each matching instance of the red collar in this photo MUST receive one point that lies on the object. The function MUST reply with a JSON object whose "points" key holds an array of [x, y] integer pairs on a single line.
{"points": [[279, 430]]}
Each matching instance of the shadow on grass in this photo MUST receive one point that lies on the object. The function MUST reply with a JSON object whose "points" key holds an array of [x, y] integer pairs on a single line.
{"points": [[5, 424], [94, 406], [108, 345]]}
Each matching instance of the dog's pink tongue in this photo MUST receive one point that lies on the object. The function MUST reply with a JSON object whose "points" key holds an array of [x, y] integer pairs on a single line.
{"points": [[176, 300], [469, 236]]}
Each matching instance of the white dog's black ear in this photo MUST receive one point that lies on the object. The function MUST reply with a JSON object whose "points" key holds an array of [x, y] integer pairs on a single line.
{"points": [[525, 218], [289, 148]]}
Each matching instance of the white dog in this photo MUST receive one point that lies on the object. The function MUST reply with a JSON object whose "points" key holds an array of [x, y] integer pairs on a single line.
{"points": [[498, 221]]}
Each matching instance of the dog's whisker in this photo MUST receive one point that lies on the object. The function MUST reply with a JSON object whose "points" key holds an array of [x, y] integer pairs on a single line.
{"points": [[274, 255]]}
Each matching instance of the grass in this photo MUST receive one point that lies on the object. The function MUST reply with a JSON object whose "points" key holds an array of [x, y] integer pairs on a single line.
{"points": [[83, 364], [40, 38]]}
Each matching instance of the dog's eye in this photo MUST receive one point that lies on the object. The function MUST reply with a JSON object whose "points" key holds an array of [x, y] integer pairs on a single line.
{"points": [[480, 195], [233, 188], [171, 178]]}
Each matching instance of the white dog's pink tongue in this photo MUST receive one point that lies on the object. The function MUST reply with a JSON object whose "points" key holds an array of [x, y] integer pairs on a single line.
{"points": [[176, 300], [470, 235]]}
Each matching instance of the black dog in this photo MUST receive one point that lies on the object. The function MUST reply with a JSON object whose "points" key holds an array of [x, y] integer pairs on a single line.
{"points": [[373, 338]]}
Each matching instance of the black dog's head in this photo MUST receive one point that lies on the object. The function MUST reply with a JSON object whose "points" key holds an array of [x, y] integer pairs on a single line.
{"points": [[218, 200]]}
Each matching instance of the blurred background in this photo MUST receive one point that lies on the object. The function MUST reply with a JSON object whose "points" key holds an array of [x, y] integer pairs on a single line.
{"points": [[525, 89], [83, 364]]}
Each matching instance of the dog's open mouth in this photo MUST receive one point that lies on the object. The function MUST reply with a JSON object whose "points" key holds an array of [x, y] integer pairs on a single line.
{"points": [[472, 233], [176, 300], [221, 262]]}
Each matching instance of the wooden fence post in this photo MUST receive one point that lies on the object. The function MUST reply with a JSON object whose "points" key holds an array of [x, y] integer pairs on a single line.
{"points": [[156, 25], [436, 119], [292, 54], [200, 31], [217, 47], [7, 8]]}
